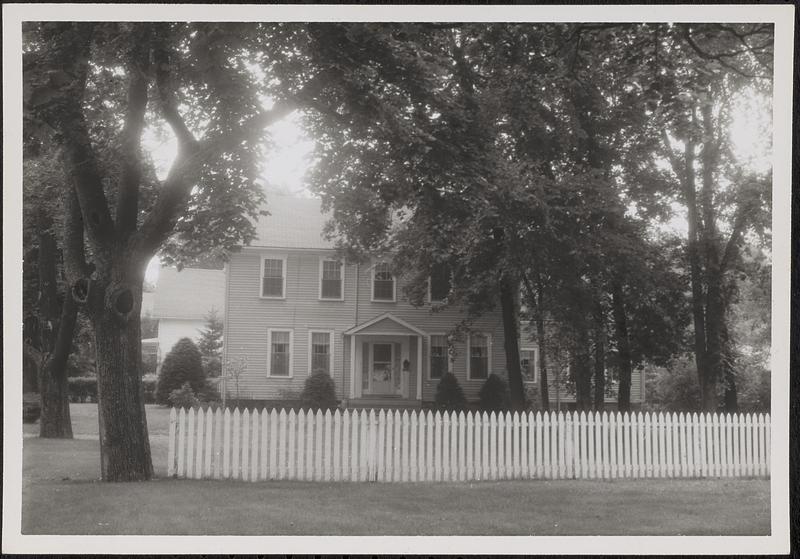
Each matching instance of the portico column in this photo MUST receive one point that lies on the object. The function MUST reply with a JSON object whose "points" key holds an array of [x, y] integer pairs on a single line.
{"points": [[352, 366]]}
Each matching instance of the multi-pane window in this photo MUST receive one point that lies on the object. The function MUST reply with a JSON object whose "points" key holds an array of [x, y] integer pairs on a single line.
{"points": [[331, 287], [272, 278], [528, 364], [280, 353], [438, 356], [382, 283], [440, 282], [478, 356], [321, 352]]}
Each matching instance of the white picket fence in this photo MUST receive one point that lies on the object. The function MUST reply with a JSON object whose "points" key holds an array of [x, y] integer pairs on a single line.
{"points": [[426, 446]]}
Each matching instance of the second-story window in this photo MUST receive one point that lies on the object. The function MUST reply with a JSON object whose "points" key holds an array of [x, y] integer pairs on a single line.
{"points": [[440, 282], [331, 280], [382, 283], [272, 277]]}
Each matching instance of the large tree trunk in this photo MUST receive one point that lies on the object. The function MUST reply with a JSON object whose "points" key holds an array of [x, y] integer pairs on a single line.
{"points": [[623, 347], [124, 444], [695, 267], [599, 358], [508, 304], [57, 326], [541, 338]]}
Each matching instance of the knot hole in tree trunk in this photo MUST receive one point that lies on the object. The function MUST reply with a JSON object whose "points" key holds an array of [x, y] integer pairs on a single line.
{"points": [[80, 290], [121, 302]]}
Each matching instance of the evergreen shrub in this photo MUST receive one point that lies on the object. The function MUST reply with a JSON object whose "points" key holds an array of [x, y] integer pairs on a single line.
{"points": [[319, 392], [181, 365], [183, 397], [449, 394], [494, 395]]}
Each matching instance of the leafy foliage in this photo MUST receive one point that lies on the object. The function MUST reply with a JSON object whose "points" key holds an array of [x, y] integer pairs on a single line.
{"points": [[494, 394], [449, 394], [183, 397], [319, 392], [182, 365]]}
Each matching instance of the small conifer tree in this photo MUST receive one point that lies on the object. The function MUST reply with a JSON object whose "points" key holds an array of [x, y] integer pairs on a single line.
{"points": [[449, 394], [181, 365]]}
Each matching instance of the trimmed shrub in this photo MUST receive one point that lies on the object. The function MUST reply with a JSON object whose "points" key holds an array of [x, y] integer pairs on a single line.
{"points": [[319, 392], [181, 365], [449, 394], [184, 397], [82, 389], [494, 395]]}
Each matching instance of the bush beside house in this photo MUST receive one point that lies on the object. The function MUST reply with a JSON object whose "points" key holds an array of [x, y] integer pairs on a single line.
{"points": [[494, 395], [449, 394], [181, 365], [319, 392]]}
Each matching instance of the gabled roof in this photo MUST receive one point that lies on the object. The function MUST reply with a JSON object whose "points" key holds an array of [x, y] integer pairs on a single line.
{"points": [[293, 223], [189, 294], [367, 327]]}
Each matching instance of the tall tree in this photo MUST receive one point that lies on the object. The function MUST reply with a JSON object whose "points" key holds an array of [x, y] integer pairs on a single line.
{"points": [[96, 86]]}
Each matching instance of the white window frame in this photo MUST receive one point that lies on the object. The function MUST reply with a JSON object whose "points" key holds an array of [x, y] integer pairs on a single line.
{"points": [[489, 357], [535, 351], [372, 286], [331, 360], [264, 258], [322, 260], [269, 352], [449, 361]]}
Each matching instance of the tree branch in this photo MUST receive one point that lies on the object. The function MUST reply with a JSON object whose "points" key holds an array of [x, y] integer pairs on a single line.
{"points": [[739, 226], [717, 57], [138, 70], [71, 45]]}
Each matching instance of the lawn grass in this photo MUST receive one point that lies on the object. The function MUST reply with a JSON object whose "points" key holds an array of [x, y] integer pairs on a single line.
{"points": [[62, 495]]}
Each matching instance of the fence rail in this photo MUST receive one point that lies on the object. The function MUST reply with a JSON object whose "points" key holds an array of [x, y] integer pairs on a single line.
{"points": [[394, 446]]}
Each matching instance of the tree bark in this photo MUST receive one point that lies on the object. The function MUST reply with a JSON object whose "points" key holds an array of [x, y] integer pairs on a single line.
{"points": [[124, 443], [57, 327], [508, 304], [623, 347], [582, 370], [599, 358], [541, 339]]}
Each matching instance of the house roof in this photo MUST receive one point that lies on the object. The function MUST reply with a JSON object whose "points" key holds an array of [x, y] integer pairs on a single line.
{"points": [[189, 294], [293, 223]]}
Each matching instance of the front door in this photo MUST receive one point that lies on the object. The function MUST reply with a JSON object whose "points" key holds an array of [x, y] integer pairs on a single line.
{"points": [[381, 360]]}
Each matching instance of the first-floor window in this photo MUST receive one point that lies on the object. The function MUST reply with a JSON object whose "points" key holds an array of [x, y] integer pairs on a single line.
{"points": [[478, 356], [528, 364], [438, 356], [321, 352], [280, 353]]}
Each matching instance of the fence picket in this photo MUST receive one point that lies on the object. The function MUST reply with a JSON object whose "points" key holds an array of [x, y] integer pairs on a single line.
{"points": [[291, 457], [190, 443], [273, 444], [628, 442], [363, 450], [337, 443], [318, 435], [217, 442], [245, 443], [327, 451], [658, 445], [492, 446], [469, 472], [199, 446], [429, 447], [735, 467], [173, 420], [506, 434], [462, 449], [613, 445], [302, 437], [484, 438], [254, 421], [397, 427], [412, 446], [446, 446], [562, 440], [282, 443], [748, 445], [404, 447], [226, 444], [209, 439], [764, 435], [236, 448], [346, 452], [606, 460]]}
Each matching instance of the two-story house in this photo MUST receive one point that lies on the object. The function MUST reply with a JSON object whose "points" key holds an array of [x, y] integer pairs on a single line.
{"points": [[292, 307]]}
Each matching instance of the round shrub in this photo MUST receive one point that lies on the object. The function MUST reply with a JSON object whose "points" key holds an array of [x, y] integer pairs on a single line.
{"points": [[183, 397], [181, 365], [449, 394], [319, 392], [494, 394]]}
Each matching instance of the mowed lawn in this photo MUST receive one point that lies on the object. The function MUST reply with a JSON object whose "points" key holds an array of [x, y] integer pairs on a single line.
{"points": [[62, 495]]}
